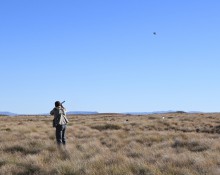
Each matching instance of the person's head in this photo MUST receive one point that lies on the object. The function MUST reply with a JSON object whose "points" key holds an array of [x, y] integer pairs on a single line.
{"points": [[57, 103]]}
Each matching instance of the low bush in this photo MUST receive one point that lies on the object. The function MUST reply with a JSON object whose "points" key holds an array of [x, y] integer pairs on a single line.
{"points": [[106, 127], [194, 146]]}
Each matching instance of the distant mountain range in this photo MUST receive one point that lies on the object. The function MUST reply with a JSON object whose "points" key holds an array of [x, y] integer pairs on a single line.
{"points": [[161, 112], [68, 113], [94, 112], [81, 112], [144, 113], [8, 113]]}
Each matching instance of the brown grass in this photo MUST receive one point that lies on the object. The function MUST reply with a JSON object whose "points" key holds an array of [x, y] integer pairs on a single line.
{"points": [[112, 144]]}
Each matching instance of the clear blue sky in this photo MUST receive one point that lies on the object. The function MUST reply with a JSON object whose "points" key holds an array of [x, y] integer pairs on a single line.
{"points": [[101, 55]]}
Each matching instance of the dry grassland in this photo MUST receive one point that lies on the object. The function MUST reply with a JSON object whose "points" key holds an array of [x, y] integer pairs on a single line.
{"points": [[111, 144]]}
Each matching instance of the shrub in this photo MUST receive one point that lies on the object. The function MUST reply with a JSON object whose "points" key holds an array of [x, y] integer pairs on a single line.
{"points": [[30, 168], [106, 127], [24, 150], [193, 146], [2, 162], [216, 129], [7, 129]]}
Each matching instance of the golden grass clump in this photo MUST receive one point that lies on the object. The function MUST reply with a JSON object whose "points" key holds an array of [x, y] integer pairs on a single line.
{"points": [[112, 144]]}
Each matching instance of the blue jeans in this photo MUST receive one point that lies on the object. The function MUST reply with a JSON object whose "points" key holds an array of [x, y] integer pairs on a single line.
{"points": [[61, 134]]}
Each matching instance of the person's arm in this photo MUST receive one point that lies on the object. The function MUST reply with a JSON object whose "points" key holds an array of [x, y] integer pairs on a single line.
{"points": [[52, 112]]}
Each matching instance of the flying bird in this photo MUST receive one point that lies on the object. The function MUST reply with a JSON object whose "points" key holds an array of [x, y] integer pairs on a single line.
{"points": [[154, 33]]}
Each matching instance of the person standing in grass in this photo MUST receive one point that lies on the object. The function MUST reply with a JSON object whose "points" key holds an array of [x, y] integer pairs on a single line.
{"points": [[59, 122]]}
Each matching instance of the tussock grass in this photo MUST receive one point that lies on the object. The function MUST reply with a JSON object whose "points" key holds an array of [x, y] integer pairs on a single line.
{"points": [[112, 144], [191, 145], [106, 127]]}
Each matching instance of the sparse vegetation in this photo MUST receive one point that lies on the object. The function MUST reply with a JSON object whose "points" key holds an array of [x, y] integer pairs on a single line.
{"points": [[112, 144]]}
